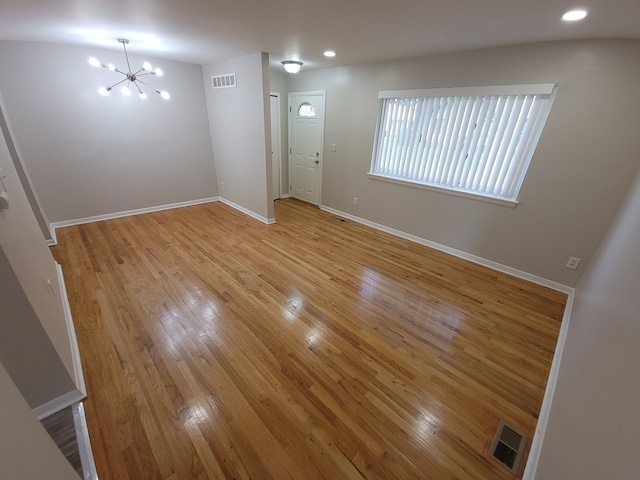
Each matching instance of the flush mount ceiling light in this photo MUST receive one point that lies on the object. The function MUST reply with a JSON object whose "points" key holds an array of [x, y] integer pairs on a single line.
{"points": [[574, 15], [292, 66], [329, 53], [132, 78]]}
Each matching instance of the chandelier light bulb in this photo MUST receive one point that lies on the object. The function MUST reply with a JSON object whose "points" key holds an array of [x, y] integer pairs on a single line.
{"points": [[94, 62], [143, 95], [111, 67], [158, 72], [103, 91], [146, 66], [165, 95], [126, 91]]}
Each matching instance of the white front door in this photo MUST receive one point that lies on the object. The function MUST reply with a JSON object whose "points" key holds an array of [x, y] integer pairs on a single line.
{"points": [[275, 144], [306, 131]]}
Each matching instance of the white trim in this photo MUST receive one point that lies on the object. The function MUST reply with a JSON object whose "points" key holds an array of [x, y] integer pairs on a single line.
{"points": [[545, 410], [78, 373], [57, 404], [89, 471], [457, 253], [444, 189], [246, 211], [127, 213], [527, 89], [285, 195]]}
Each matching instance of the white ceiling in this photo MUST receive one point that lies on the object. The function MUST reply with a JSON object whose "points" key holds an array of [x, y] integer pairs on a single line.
{"points": [[361, 31]]}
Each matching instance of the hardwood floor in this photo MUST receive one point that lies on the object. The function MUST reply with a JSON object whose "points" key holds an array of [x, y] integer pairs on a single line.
{"points": [[215, 346]]}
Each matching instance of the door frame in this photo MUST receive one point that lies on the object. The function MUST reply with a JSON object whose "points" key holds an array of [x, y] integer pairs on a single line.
{"points": [[279, 137], [291, 95]]}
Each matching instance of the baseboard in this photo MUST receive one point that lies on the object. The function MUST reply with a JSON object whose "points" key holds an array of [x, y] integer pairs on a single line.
{"points": [[246, 211], [73, 340], [127, 213], [80, 392], [59, 403], [545, 410], [457, 253], [84, 444], [285, 195]]}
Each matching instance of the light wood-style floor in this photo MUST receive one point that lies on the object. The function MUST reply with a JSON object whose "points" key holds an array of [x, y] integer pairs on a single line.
{"points": [[218, 347]]}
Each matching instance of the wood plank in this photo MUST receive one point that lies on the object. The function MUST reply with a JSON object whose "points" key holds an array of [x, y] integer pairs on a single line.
{"points": [[215, 346]]}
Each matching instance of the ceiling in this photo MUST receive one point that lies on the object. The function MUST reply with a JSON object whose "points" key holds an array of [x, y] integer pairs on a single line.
{"points": [[361, 31]]}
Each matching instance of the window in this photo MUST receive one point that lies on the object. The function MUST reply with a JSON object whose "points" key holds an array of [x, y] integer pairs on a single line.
{"points": [[306, 110], [476, 140]]}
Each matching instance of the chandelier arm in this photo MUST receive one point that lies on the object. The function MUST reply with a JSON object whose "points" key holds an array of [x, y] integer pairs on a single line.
{"points": [[137, 86], [142, 74], [146, 85], [124, 45], [116, 84], [120, 71]]}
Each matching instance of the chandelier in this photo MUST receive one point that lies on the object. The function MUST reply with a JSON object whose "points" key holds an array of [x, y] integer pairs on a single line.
{"points": [[132, 78]]}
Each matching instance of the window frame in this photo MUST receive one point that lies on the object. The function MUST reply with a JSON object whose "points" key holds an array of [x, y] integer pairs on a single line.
{"points": [[547, 89]]}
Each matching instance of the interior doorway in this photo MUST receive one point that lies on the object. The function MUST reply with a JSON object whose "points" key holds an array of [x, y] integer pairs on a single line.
{"points": [[276, 153]]}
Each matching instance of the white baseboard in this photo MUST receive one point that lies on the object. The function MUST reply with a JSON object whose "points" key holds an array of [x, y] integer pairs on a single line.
{"points": [[57, 404], [545, 409], [80, 392], [78, 373], [127, 213], [246, 211], [84, 444], [457, 253], [285, 195]]}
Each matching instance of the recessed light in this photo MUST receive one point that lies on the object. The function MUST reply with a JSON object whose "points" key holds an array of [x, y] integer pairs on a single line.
{"points": [[329, 53], [574, 15]]}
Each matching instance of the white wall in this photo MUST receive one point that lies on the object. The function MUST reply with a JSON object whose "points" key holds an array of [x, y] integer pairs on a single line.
{"points": [[92, 155], [583, 165], [26, 449], [35, 344], [241, 133], [595, 417]]}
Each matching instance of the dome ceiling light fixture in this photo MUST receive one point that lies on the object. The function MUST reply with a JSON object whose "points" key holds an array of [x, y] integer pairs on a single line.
{"points": [[132, 78], [292, 66]]}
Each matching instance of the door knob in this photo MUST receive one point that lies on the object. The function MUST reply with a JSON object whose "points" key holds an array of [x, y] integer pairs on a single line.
{"points": [[317, 161]]}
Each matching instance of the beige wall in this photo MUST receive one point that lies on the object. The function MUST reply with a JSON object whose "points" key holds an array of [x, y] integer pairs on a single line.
{"points": [[595, 417], [583, 165], [91, 155], [26, 450], [35, 345], [241, 133]]}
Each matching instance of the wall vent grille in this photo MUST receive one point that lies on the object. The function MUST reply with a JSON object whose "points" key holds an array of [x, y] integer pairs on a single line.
{"points": [[228, 80], [507, 447]]}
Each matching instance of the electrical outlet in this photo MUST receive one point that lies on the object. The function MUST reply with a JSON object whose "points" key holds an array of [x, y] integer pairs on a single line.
{"points": [[333, 147], [573, 263], [355, 200], [222, 185]]}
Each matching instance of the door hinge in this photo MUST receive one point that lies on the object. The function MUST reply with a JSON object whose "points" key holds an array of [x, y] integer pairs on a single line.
{"points": [[289, 150], [289, 108]]}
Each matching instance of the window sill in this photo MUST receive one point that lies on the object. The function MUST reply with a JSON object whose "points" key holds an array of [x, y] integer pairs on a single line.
{"points": [[449, 191]]}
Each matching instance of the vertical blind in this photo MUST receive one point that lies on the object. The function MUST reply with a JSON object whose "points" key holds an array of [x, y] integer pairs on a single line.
{"points": [[478, 142]]}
